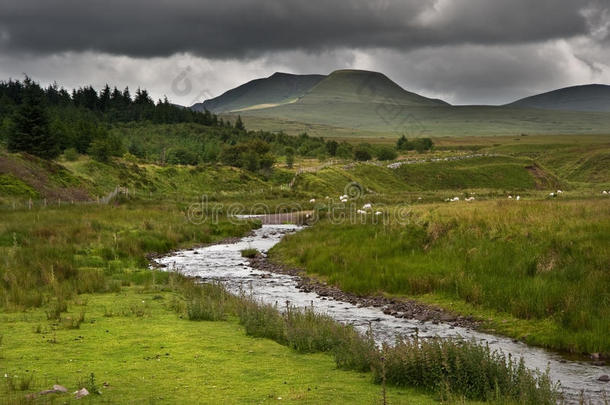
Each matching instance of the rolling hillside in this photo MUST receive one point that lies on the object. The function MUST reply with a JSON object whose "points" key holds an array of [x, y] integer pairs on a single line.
{"points": [[276, 89], [353, 103], [591, 97]]}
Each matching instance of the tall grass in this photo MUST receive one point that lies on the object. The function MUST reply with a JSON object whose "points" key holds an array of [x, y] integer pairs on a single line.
{"points": [[449, 368], [47, 256], [544, 260]]}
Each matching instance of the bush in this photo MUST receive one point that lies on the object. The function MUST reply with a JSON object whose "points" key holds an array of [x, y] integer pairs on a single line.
{"points": [[362, 154], [386, 153], [100, 150], [182, 156], [71, 154]]}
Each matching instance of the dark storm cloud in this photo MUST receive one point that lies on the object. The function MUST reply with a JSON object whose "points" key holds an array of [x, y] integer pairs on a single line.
{"points": [[246, 28]]}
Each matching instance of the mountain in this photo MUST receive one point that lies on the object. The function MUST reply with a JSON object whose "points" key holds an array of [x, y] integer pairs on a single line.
{"points": [[355, 99], [363, 87], [358, 103], [276, 89], [590, 97]]}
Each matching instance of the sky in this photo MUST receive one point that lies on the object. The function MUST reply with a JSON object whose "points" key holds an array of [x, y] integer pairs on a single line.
{"points": [[463, 51]]}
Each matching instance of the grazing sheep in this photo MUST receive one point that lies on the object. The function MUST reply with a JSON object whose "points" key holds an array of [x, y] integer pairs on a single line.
{"points": [[313, 200], [552, 195], [367, 206], [518, 198], [469, 199], [559, 191], [455, 199], [378, 213], [604, 192], [510, 197], [361, 212]]}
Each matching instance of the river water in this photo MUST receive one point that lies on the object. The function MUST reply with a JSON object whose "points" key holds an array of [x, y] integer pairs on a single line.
{"points": [[223, 263]]}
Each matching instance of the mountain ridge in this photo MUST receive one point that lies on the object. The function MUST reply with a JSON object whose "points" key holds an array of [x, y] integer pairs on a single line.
{"points": [[276, 89], [587, 97]]}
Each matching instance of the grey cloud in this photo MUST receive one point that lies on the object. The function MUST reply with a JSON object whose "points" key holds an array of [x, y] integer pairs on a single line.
{"points": [[246, 29]]}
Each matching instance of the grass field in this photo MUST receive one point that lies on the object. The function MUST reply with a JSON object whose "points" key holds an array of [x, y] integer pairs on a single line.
{"points": [[542, 262], [140, 352]]}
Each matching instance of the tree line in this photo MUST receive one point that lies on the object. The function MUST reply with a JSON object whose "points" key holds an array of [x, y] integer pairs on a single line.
{"points": [[111, 123]]}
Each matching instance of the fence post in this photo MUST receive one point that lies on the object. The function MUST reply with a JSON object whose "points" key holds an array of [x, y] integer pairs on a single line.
{"points": [[30, 204], [45, 203]]}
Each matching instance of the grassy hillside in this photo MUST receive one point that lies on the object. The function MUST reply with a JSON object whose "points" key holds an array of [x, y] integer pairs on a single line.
{"points": [[278, 88], [591, 97], [490, 173]]}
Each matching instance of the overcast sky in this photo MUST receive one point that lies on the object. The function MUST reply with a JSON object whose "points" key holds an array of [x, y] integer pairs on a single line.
{"points": [[464, 51]]}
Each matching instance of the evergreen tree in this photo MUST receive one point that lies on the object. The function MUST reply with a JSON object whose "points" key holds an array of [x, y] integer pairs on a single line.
{"points": [[239, 124], [105, 98], [31, 131]]}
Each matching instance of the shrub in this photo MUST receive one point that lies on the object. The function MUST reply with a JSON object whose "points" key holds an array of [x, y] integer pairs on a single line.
{"points": [[386, 153], [182, 156], [71, 154], [362, 154]]}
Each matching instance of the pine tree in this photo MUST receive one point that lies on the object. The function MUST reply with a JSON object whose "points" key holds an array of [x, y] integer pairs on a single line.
{"points": [[239, 124], [31, 131], [105, 98]]}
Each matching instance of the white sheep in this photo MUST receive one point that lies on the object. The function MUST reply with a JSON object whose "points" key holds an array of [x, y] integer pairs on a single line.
{"points": [[510, 197], [367, 206], [559, 191], [377, 213], [552, 194], [455, 199], [518, 197], [604, 192], [313, 200], [361, 212], [469, 199]]}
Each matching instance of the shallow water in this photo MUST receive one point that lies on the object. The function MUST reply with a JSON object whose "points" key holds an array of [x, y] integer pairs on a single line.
{"points": [[224, 263]]}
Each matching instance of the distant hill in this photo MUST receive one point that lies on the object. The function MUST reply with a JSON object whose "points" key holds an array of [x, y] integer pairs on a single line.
{"points": [[276, 89], [358, 103], [590, 97]]}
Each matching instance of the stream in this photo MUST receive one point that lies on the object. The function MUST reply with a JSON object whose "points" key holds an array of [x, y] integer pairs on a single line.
{"points": [[223, 263]]}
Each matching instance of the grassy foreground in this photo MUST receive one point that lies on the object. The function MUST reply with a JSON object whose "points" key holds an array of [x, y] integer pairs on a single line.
{"points": [[536, 270], [140, 351]]}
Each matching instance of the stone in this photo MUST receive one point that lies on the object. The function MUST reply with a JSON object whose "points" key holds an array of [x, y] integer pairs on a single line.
{"points": [[81, 393], [604, 378], [60, 388]]}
